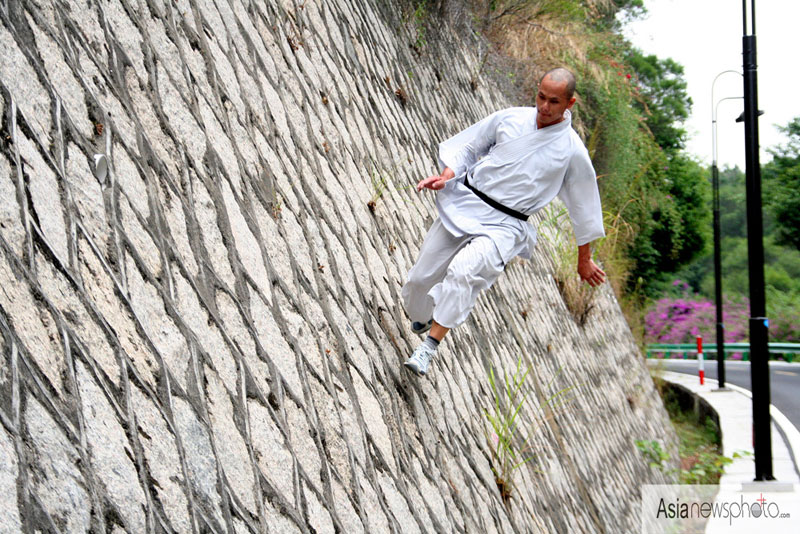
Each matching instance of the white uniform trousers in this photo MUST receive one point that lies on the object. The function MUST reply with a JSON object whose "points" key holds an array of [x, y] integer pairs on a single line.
{"points": [[449, 274]]}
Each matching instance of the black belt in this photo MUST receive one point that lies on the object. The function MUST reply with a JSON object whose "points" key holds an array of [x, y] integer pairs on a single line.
{"points": [[495, 204]]}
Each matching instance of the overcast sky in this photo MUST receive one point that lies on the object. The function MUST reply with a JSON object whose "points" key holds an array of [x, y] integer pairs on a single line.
{"points": [[705, 36]]}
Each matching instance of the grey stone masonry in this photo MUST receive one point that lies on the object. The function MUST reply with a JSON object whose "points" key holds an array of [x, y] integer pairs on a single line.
{"points": [[208, 336]]}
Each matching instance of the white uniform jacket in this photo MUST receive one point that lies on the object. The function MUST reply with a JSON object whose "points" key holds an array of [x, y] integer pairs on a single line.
{"points": [[522, 167]]}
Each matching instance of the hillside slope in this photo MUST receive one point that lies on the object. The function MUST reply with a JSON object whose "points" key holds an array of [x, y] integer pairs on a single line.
{"points": [[208, 338]]}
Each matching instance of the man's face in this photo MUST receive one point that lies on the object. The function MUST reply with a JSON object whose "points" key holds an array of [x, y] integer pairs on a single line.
{"points": [[551, 102]]}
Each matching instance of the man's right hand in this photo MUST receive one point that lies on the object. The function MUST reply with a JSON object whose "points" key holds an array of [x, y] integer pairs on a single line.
{"points": [[436, 182]]}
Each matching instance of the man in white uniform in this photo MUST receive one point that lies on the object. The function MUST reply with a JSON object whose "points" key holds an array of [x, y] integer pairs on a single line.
{"points": [[494, 175]]}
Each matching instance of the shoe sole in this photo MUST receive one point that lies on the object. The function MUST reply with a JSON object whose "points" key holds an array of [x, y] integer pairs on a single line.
{"points": [[413, 369], [420, 332]]}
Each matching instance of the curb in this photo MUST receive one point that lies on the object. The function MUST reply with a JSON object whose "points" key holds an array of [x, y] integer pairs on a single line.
{"points": [[790, 433]]}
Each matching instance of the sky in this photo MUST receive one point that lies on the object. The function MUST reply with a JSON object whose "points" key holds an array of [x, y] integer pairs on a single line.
{"points": [[705, 36]]}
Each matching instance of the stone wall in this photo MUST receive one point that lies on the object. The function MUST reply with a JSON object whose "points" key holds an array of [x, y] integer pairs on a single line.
{"points": [[208, 338]]}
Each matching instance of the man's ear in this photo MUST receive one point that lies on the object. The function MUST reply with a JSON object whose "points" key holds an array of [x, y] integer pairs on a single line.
{"points": [[571, 102]]}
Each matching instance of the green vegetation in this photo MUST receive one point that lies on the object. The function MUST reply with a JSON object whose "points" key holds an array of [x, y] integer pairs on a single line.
{"points": [[578, 296], [508, 446], [700, 459], [782, 180], [635, 118], [699, 442], [665, 104], [781, 257], [419, 16]]}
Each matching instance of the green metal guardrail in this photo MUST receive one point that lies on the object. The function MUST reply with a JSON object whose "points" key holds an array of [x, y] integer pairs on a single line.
{"points": [[787, 350]]}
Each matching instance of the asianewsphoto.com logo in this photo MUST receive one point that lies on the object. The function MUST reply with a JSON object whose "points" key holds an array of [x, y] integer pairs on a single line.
{"points": [[733, 508], [760, 508]]}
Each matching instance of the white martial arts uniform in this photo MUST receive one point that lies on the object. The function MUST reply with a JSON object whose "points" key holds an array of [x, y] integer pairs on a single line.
{"points": [[509, 159]]}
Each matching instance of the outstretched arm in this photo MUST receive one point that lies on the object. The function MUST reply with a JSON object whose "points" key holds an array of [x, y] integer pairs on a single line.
{"points": [[436, 182], [462, 150], [587, 268]]}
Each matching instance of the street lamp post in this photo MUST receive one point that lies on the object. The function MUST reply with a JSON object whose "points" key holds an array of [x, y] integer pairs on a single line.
{"points": [[717, 246], [759, 324]]}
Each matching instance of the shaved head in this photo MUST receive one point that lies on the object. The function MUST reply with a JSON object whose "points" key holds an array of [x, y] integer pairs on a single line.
{"points": [[560, 74]]}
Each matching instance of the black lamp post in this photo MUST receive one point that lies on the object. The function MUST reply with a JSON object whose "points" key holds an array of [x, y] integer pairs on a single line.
{"points": [[716, 225], [759, 324], [717, 247]]}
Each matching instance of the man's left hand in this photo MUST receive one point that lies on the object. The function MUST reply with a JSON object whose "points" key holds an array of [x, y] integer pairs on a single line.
{"points": [[591, 273]]}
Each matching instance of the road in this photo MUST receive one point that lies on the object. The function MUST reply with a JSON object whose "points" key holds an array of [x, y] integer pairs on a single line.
{"points": [[784, 381]]}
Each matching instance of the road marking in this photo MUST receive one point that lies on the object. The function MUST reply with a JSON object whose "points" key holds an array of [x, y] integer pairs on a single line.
{"points": [[787, 373]]}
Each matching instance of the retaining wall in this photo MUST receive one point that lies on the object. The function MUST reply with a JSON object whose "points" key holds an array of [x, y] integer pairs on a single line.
{"points": [[208, 338]]}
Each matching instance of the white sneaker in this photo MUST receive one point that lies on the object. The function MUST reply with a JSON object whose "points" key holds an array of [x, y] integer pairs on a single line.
{"points": [[418, 362]]}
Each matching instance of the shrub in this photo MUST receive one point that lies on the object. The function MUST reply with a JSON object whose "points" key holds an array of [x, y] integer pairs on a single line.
{"points": [[678, 317]]}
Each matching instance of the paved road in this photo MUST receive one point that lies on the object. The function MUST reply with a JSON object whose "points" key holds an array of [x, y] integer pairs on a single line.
{"points": [[784, 381]]}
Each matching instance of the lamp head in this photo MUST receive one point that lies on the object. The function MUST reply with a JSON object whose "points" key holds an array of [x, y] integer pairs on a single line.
{"points": [[740, 118]]}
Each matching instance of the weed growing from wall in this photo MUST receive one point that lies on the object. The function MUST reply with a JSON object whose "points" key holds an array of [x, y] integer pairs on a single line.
{"points": [[578, 295], [508, 446], [378, 188]]}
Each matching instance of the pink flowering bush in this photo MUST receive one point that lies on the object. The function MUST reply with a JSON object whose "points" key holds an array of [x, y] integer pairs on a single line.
{"points": [[679, 317]]}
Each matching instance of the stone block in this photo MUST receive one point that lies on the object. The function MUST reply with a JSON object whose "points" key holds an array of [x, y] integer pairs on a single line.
{"points": [[207, 215], [374, 415], [303, 445], [102, 291], [163, 460], [46, 196], [126, 33], [230, 445], [139, 238], [63, 80], [247, 246], [130, 180], [92, 338], [27, 92], [345, 509], [200, 459], [34, 324], [180, 118], [196, 317], [279, 522], [10, 520], [274, 344], [10, 211], [161, 329], [398, 505], [110, 453], [371, 503], [318, 516], [87, 194], [55, 476], [271, 450]]}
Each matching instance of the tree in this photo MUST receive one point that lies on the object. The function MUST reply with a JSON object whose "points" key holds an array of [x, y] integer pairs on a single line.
{"points": [[732, 202], [663, 100], [679, 225], [782, 186]]}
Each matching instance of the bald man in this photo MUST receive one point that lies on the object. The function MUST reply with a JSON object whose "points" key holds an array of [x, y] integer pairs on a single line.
{"points": [[494, 175]]}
